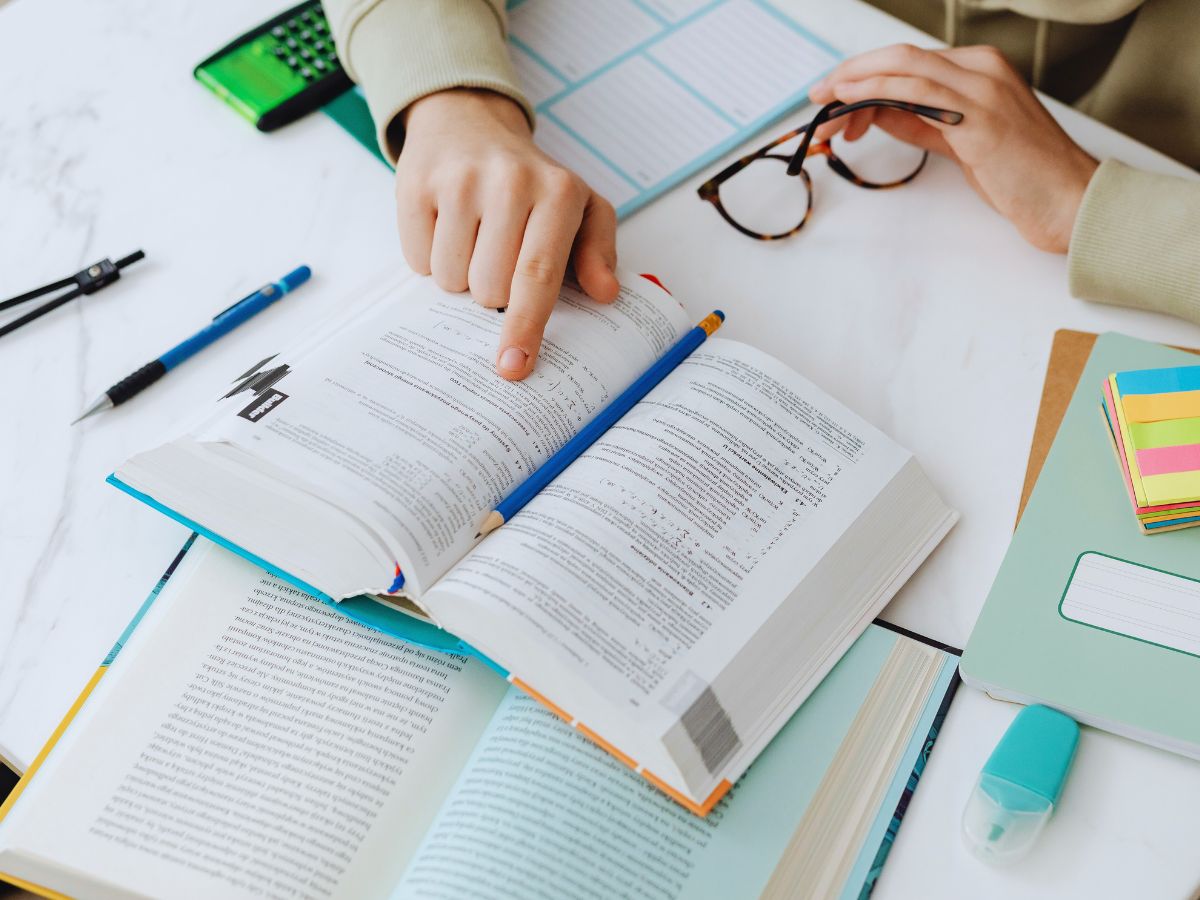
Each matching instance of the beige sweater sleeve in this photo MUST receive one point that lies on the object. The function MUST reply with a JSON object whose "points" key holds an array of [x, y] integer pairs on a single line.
{"points": [[401, 50], [1136, 241]]}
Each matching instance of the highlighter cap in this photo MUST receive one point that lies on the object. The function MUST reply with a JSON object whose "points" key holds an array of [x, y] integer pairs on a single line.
{"points": [[1020, 784]]}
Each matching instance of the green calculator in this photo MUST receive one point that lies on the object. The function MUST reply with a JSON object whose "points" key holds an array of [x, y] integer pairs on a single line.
{"points": [[281, 70]]}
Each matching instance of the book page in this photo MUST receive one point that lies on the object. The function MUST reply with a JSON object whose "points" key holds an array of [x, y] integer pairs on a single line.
{"points": [[635, 95], [400, 419], [648, 564], [575, 822], [578, 823], [250, 741]]}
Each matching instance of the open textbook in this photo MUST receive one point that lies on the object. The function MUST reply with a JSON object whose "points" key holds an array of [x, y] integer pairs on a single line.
{"points": [[677, 592], [249, 742]]}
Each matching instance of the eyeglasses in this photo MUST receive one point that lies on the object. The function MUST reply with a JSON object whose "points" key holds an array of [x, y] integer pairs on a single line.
{"points": [[763, 206]]}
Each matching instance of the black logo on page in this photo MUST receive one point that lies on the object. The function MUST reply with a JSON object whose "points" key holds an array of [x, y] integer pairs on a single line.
{"points": [[262, 405], [260, 381]]}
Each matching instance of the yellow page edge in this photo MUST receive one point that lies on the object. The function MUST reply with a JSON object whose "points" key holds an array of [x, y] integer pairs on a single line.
{"points": [[61, 729]]}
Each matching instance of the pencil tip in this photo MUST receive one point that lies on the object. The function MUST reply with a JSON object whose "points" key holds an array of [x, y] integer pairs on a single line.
{"points": [[493, 521], [105, 402]]}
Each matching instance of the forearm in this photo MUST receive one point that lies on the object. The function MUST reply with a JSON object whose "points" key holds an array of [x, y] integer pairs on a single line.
{"points": [[402, 50], [1136, 241]]}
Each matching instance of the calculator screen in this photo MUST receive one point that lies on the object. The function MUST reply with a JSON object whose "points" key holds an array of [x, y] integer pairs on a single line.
{"points": [[256, 76]]}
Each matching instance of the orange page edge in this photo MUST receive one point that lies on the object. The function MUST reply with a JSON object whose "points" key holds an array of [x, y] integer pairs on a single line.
{"points": [[700, 809]]}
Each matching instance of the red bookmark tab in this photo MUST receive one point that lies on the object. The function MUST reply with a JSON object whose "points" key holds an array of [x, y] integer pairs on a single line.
{"points": [[654, 278]]}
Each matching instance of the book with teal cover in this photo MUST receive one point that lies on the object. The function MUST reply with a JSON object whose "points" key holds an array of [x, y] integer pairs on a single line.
{"points": [[364, 610], [1087, 614], [814, 817]]}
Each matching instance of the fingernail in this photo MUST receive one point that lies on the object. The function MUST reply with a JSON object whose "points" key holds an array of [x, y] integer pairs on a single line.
{"points": [[513, 359]]}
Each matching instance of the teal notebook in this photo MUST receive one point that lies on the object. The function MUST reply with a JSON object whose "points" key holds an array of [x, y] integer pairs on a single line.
{"points": [[1087, 614], [240, 731]]}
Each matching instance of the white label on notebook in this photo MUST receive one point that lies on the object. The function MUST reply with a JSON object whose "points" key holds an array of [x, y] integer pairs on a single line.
{"points": [[1136, 601]]}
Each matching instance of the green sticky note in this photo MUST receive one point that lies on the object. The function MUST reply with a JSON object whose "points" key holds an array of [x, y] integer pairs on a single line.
{"points": [[1171, 433]]}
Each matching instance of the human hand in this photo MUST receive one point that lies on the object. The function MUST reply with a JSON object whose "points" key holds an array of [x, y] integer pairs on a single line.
{"points": [[1011, 150], [480, 206]]}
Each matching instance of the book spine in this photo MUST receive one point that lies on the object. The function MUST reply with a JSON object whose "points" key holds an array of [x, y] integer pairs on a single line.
{"points": [[149, 601]]}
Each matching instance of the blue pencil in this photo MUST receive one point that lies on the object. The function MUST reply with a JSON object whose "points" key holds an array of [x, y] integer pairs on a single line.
{"points": [[590, 433]]}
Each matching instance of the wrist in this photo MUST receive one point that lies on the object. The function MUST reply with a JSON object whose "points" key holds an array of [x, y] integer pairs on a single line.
{"points": [[1074, 184], [479, 107]]}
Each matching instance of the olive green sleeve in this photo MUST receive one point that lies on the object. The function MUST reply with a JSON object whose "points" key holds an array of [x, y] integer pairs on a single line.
{"points": [[402, 50], [1136, 241]]}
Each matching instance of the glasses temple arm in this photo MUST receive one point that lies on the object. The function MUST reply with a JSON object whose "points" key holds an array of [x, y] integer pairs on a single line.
{"points": [[830, 110], [945, 116], [836, 110]]}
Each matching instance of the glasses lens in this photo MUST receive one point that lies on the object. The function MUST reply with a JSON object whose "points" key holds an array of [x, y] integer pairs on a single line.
{"points": [[762, 197], [878, 158]]}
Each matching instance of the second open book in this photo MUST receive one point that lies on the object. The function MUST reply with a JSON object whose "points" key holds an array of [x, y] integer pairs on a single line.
{"points": [[675, 594]]}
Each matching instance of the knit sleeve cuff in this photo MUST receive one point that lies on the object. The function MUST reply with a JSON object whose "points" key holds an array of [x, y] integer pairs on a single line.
{"points": [[402, 50], [1136, 241]]}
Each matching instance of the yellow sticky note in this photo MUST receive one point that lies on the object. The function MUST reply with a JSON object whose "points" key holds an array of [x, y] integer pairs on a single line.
{"points": [[1173, 487], [1160, 407]]}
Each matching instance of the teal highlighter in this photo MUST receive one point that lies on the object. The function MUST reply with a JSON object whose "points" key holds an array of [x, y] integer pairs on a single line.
{"points": [[1020, 784]]}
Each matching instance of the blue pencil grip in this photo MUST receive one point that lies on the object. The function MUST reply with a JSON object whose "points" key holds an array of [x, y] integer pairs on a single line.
{"points": [[604, 420], [235, 316]]}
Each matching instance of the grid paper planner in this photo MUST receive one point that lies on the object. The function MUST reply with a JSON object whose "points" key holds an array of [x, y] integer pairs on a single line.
{"points": [[636, 95]]}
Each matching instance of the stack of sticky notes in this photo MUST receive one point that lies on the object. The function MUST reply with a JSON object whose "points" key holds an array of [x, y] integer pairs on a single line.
{"points": [[1154, 419]]}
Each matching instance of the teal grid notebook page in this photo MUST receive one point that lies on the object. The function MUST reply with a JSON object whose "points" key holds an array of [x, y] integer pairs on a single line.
{"points": [[636, 95], [1087, 614]]}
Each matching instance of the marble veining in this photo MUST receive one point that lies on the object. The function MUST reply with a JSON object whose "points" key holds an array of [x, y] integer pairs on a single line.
{"points": [[918, 308]]}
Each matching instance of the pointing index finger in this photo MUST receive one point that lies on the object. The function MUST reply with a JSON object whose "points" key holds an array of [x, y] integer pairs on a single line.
{"points": [[541, 265]]}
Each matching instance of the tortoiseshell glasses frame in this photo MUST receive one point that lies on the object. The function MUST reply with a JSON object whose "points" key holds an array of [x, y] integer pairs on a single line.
{"points": [[711, 189]]}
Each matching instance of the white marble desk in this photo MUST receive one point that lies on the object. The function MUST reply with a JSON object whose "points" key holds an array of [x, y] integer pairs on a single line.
{"points": [[919, 308]]}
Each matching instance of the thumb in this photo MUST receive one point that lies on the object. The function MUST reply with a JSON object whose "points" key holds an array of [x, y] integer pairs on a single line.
{"points": [[595, 253]]}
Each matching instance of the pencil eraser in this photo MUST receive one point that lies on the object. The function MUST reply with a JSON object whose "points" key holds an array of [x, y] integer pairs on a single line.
{"points": [[1020, 784]]}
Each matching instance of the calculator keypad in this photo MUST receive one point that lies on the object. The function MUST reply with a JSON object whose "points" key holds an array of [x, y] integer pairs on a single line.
{"points": [[304, 45]]}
